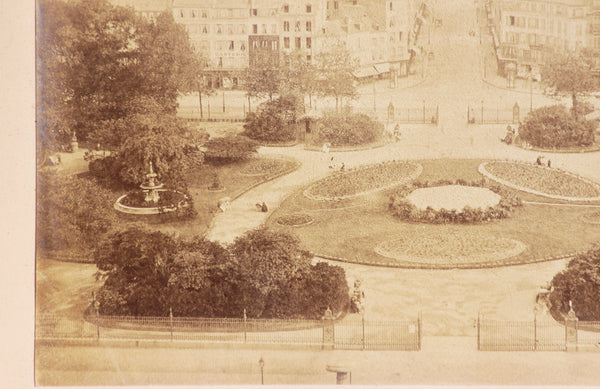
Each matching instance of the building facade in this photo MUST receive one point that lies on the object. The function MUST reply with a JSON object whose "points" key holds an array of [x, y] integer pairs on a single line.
{"points": [[232, 34], [527, 30]]}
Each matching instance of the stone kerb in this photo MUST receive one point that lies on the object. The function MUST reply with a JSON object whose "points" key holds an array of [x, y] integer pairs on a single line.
{"points": [[482, 170], [410, 177], [150, 210]]}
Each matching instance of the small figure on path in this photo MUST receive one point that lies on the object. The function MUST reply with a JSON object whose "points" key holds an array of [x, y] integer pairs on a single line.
{"points": [[325, 148], [331, 163], [549, 163], [262, 207], [342, 167], [538, 161]]}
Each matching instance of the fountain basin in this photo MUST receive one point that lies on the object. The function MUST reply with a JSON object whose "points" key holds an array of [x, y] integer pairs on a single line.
{"points": [[180, 201]]}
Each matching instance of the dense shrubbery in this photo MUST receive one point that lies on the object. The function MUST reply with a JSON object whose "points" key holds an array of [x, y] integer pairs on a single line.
{"points": [[405, 210], [107, 170], [72, 213], [229, 149], [347, 129], [274, 120], [579, 283], [554, 126], [266, 273], [363, 179]]}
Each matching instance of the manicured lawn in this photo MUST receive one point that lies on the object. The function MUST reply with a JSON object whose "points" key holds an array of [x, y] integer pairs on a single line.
{"points": [[353, 232]]}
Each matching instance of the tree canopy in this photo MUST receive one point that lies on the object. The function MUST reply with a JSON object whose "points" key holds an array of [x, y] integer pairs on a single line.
{"points": [[335, 66], [264, 273], [580, 284], [572, 74], [98, 63]]}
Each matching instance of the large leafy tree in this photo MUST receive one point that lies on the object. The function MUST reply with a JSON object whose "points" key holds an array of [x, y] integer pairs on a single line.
{"points": [[580, 284], [298, 76], [571, 74], [261, 79], [135, 265], [335, 66], [99, 63], [72, 213]]}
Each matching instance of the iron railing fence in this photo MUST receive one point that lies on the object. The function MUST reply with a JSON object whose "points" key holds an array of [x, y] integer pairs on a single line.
{"points": [[344, 334], [537, 335], [401, 115], [484, 114], [378, 335]]}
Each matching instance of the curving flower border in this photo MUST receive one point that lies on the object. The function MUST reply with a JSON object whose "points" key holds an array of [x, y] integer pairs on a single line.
{"points": [[280, 220], [410, 177], [510, 184], [460, 260]]}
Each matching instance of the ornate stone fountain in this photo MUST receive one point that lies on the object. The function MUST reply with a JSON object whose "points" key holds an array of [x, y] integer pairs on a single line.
{"points": [[150, 187]]}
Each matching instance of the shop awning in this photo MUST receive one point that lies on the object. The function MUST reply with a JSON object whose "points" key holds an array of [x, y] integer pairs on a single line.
{"points": [[382, 67], [367, 71]]}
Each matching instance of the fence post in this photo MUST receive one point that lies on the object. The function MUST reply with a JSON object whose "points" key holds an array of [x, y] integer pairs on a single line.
{"points": [[479, 320], [245, 331], [97, 320], [363, 330], [328, 329], [171, 321], [516, 115], [535, 339], [419, 334], [468, 114]]}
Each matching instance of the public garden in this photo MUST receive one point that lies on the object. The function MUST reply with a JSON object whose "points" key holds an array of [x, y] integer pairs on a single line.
{"points": [[441, 220]]}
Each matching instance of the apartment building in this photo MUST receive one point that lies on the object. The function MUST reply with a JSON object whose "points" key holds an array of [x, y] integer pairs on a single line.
{"points": [[233, 34], [527, 30]]}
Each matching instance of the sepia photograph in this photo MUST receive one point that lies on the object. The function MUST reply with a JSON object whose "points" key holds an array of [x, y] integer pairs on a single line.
{"points": [[316, 192]]}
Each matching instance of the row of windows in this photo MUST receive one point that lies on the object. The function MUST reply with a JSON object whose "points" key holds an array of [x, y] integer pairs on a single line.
{"points": [[297, 26], [540, 24], [234, 12], [558, 9], [298, 43]]}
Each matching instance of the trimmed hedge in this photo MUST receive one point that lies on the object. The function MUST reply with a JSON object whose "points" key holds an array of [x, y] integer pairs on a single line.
{"points": [[555, 127], [347, 129]]}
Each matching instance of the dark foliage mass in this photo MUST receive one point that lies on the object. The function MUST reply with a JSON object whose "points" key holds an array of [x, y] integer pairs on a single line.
{"points": [[72, 213], [580, 284], [263, 272], [554, 126], [274, 120], [228, 149], [347, 129]]}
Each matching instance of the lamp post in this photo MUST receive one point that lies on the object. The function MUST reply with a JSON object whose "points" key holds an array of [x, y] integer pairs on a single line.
{"points": [[261, 363], [530, 92]]}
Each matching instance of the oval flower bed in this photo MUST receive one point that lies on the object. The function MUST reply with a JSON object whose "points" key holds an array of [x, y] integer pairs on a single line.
{"points": [[592, 218], [458, 248], [541, 180], [295, 220], [362, 180], [260, 166], [451, 202]]}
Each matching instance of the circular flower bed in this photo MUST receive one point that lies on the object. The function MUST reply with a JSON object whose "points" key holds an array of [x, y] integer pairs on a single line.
{"points": [[456, 248], [260, 166], [453, 197], [295, 220], [362, 180], [446, 202], [541, 180]]}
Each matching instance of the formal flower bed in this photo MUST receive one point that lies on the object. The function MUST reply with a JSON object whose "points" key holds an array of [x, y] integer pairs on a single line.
{"points": [[541, 180], [355, 182], [264, 166], [295, 220], [466, 202], [456, 248]]}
